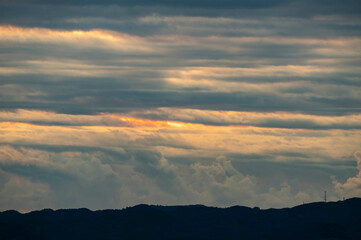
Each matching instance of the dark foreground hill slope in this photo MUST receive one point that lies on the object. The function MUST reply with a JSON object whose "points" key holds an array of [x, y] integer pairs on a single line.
{"points": [[333, 220]]}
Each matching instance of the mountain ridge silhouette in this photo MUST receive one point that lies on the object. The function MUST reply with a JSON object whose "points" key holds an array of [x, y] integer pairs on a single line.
{"points": [[318, 220]]}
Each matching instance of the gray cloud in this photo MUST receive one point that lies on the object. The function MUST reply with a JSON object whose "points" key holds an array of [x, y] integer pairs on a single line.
{"points": [[137, 172], [70, 178], [187, 3], [283, 71], [88, 75], [351, 186], [213, 181], [119, 15]]}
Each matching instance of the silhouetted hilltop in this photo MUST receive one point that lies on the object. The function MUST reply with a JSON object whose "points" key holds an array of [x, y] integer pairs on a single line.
{"points": [[332, 220]]}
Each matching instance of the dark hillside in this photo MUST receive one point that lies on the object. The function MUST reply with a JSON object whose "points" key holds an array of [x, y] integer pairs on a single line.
{"points": [[332, 220]]}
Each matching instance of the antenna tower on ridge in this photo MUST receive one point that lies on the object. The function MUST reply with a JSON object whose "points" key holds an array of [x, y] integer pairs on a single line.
{"points": [[325, 196]]}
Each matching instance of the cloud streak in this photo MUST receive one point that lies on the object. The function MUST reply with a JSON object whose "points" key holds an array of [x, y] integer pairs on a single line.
{"points": [[109, 104], [303, 74], [187, 118]]}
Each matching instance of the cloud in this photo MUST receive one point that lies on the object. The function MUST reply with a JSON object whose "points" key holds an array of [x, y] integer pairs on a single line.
{"points": [[109, 104], [352, 186], [52, 118], [170, 165], [177, 137], [37, 178], [169, 3], [110, 71], [67, 178], [23, 194], [186, 118], [80, 39], [267, 120]]}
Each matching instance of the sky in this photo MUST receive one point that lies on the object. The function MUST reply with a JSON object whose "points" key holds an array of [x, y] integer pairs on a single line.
{"points": [[109, 104]]}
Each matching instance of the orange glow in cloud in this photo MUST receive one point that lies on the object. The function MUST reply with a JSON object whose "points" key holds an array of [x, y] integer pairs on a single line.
{"points": [[137, 122], [184, 118], [94, 38], [174, 138]]}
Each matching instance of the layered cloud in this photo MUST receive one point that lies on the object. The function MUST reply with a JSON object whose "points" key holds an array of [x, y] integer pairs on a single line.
{"points": [[109, 104], [187, 118], [169, 162], [310, 75]]}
